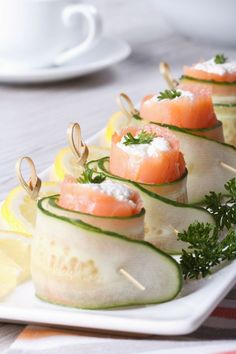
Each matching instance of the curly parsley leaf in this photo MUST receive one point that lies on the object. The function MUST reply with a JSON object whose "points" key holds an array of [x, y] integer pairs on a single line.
{"points": [[223, 206], [230, 188], [205, 249], [143, 138], [89, 175], [220, 59], [168, 94]]}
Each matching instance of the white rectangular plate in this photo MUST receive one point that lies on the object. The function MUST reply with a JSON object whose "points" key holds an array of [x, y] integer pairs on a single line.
{"points": [[180, 316]]}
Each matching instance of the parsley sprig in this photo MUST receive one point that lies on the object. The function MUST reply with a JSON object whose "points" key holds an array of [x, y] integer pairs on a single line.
{"points": [[222, 206], [89, 175], [143, 138], [206, 246], [205, 250], [168, 94], [220, 59]]}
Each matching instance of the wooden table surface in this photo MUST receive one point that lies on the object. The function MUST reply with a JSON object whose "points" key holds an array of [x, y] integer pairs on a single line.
{"points": [[34, 118]]}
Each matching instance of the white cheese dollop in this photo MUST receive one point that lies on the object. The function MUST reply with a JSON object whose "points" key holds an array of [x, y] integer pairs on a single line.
{"points": [[152, 149], [210, 66], [116, 190], [184, 93]]}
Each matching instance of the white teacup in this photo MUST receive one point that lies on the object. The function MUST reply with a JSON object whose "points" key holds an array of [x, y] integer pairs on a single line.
{"points": [[37, 33]]}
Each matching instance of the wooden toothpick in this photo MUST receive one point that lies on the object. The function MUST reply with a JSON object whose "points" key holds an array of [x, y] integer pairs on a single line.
{"points": [[132, 279], [166, 72], [33, 186], [124, 100], [175, 230], [78, 147], [227, 167]]}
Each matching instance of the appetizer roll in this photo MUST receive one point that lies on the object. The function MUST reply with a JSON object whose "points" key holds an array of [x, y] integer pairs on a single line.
{"points": [[103, 203], [149, 155], [184, 108], [219, 75], [164, 216], [76, 264]]}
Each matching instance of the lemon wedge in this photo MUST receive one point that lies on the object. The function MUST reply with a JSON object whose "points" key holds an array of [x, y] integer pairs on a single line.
{"points": [[66, 164], [17, 247], [116, 123], [9, 274], [18, 212]]}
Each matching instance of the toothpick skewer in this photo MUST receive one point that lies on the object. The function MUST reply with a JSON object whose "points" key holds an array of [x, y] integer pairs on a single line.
{"points": [[166, 72], [175, 230], [78, 147], [132, 279], [227, 167], [33, 186], [131, 110]]}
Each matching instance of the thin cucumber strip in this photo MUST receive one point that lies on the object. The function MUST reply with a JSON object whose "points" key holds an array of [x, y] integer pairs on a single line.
{"points": [[227, 114], [76, 264], [164, 217], [204, 158], [214, 133], [130, 226], [227, 105], [220, 83]]}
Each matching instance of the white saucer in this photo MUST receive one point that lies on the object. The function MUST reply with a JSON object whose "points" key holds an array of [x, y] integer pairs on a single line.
{"points": [[106, 52]]}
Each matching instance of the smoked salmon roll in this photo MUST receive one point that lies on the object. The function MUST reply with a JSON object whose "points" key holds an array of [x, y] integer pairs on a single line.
{"points": [[218, 75], [149, 155], [108, 205], [215, 70], [182, 108], [102, 199]]}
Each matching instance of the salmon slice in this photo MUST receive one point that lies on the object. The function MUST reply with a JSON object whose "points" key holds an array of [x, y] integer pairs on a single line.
{"points": [[90, 198], [191, 112], [166, 167], [190, 71]]}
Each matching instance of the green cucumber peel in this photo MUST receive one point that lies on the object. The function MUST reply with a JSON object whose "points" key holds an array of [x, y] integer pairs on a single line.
{"points": [[53, 202], [220, 83], [93, 231], [139, 186]]}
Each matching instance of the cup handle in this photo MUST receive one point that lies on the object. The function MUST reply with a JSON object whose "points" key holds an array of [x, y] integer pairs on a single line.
{"points": [[94, 29]]}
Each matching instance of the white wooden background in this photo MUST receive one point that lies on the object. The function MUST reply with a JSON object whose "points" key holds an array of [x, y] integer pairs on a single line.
{"points": [[33, 119]]}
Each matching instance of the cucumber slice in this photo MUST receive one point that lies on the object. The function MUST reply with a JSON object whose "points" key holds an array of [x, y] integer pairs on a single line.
{"points": [[176, 190], [215, 133], [164, 217], [224, 100], [220, 83], [219, 90], [225, 111], [130, 226], [228, 105], [227, 114], [78, 265], [203, 158]]}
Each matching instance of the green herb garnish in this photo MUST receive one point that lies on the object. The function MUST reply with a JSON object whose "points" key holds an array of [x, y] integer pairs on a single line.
{"points": [[220, 59], [143, 138], [223, 206], [205, 250], [168, 94], [89, 175]]}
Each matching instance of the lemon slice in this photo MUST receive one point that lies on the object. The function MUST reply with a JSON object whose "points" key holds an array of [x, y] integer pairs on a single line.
{"points": [[18, 212], [17, 247], [9, 274], [66, 164], [115, 124]]}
